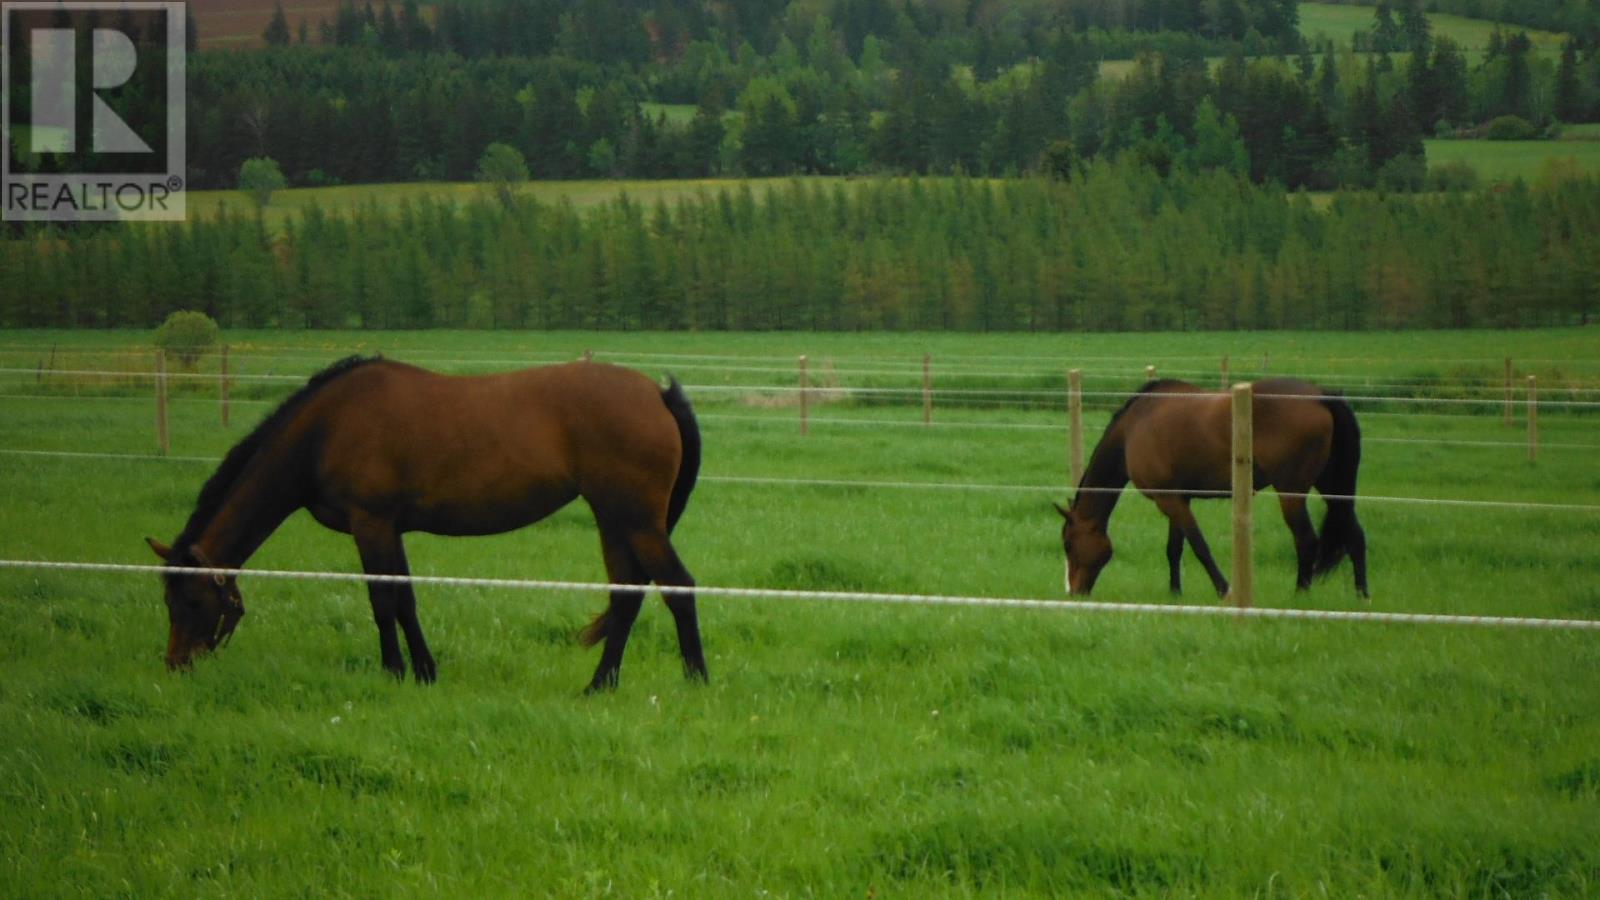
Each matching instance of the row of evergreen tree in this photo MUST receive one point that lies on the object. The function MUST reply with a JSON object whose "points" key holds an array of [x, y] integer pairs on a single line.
{"points": [[1117, 248]]}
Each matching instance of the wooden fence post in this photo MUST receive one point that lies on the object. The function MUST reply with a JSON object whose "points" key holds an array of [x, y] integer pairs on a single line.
{"points": [[804, 399], [161, 402], [1533, 419], [1243, 588], [1225, 377], [1508, 393], [927, 389], [223, 386], [1075, 426]]}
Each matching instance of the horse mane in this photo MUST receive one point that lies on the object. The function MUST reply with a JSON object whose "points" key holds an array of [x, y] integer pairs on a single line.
{"points": [[217, 486], [1102, 466], [1145, 388]]}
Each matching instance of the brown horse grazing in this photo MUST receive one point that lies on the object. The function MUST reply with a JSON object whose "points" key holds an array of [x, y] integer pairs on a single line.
{"points": [[1174, 441], [375, 449]]}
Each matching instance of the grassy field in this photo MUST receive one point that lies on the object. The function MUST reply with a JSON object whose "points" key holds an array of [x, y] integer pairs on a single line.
{"points": [[1338, 21], [1504, 161], [840, 749]]}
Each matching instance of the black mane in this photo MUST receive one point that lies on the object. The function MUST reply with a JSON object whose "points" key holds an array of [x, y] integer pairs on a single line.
{"points": [[1145, 388], [216, 488]]}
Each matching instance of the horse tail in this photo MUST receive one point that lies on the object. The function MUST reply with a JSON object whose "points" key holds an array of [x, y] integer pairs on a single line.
{"points": [[595, 630], [689, 433], [1337, 483]]}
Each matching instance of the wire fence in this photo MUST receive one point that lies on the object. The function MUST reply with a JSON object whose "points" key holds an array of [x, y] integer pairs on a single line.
{"points": [[903, 599], [877, 394], [1057, 489], [987, 394], [908, 369]]}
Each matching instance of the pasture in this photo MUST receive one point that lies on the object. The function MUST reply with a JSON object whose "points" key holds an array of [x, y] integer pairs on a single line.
{"points": [[1337, 21], [1506, 161], [840, 749]]}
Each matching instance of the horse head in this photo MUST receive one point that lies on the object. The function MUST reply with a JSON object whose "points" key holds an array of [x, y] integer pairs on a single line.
{"points": [[203, 608], [1087, 548]]}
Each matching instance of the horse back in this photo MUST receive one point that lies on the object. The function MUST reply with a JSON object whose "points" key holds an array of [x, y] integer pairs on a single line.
{"points": [[485, 453], [1180, 437], [1177, 437], [1293, 432]]}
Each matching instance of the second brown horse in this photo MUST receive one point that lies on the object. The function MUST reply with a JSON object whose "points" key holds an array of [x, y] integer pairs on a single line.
{"points": [[1173, 440], [375, 449]]}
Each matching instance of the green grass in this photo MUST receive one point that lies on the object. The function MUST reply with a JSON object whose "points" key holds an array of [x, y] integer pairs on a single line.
{"points": [[1504, 161], [840, 749], [1339, 20], [677, 114]]}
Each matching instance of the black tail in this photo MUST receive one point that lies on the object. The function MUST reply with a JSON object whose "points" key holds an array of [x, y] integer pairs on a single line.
{"points": [[689, 432], [1340, 530]]}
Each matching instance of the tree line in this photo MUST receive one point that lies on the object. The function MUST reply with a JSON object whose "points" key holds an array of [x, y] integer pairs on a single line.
{"points": [[1318, 121], [903, 90], [1117, 248]]}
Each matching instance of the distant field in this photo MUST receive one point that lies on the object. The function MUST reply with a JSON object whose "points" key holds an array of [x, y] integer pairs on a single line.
{"points": [[1497, 161], [1338, 21], [239, 23]]}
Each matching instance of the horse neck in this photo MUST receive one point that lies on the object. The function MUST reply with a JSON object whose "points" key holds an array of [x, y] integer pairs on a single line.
{"points": [[266, 492], [1106, 474]]}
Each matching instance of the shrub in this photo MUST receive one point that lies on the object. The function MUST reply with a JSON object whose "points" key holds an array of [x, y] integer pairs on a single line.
{"points": [[1510, 128], [186, 336], [503, 169], [1403, 174], [259, 178], [1452, 176]]}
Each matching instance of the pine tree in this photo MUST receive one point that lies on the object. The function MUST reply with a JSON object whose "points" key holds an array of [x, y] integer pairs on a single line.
{"points": [[1569, 103], [277, 32]]}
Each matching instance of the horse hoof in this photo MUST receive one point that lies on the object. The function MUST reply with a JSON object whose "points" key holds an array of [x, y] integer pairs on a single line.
{"points": [[427, 671], [603, 683]]}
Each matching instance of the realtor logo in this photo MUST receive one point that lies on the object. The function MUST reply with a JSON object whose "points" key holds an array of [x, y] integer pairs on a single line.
{"points": [[92, 111]]}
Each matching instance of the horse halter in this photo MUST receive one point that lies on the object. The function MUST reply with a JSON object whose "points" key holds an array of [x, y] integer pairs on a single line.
{"points": [[229, 619]]}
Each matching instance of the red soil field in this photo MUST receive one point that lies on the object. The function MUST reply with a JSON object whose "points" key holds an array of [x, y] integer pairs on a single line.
{"points": [[239, 23]]}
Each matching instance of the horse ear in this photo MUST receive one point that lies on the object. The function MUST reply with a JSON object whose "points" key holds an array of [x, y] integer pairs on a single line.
{"points": [[1065, 513], [162, 550]]}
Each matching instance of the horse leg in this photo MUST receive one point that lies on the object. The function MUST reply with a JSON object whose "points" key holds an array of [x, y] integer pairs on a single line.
{"points": [[382, 553], [1176, 508], [1305, 537], [616, 623], [654, 551], [1175, 556]]}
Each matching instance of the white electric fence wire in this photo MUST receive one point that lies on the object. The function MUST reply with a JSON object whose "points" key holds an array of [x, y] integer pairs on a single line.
{"points": [[880, 391], [1078, 606], [1530, 506]]}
